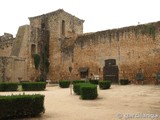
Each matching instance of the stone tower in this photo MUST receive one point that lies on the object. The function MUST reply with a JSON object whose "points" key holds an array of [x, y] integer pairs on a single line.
{"points": [[48, 33]]}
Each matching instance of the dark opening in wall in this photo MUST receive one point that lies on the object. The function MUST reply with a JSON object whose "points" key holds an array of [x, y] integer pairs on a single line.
{"points": [[84, 71], [63, 28], [43, 26], [33, 49], [111, 71]]}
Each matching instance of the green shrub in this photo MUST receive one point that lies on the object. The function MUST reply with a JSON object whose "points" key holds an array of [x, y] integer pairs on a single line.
{"points": [[64, 84], [124, 81], [76, 87], [88, 91], [78, 81], [104, 84], [20, 106], [8, 86], [94, 82], [33, 86], [1, 87]]}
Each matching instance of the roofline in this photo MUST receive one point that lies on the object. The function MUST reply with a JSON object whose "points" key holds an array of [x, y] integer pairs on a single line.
{"points": [[52, 13]]}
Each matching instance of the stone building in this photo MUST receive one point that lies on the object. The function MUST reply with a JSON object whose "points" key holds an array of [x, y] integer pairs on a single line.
{"points": [[54, 29], [67, 53]]}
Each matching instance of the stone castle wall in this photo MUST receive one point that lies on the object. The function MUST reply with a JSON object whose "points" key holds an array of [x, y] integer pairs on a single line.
{"points": [[12, 69], [20, 54], [6, 43], [13, 55], [133, 48], [5, 71]]}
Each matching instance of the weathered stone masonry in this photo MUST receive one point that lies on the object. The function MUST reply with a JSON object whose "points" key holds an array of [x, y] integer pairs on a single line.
{"points": [[6, 43], [66, 52], [61, 26], [13, 55], [133, 48]]}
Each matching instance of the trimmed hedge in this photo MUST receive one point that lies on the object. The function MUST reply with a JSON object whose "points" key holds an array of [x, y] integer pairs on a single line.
{"points": [[8, 86], [21, 106], [33, 86], [76, 87], [88, 91], [64, 83], [78, 81], [124, 81], [104, 84], [94, 82]]}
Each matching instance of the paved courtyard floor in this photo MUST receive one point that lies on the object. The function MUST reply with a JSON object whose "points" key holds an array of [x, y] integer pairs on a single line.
{"points": [[129, 102]]}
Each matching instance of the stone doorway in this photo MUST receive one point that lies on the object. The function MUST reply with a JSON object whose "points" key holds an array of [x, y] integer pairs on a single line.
{"points": [[84, 71], [111, 71]]}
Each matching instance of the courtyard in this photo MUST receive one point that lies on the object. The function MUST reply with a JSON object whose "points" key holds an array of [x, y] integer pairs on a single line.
{"points": [[117, 103]]}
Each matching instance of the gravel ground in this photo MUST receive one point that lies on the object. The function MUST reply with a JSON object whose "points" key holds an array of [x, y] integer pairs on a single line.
{"points": [[129, 102]]}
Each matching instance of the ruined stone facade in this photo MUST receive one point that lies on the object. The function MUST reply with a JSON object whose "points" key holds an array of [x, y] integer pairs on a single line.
{"points": [[6, 43], [66, 52], [61, 27], [13, 55]]}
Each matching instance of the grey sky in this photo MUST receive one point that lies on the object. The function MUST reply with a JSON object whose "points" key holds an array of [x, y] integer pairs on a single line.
{"points": [[98, 14]]}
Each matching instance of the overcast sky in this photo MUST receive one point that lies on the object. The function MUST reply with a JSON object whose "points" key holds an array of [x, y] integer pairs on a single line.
{"points": [[98, 14]]}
